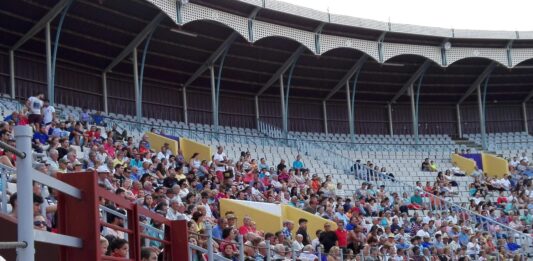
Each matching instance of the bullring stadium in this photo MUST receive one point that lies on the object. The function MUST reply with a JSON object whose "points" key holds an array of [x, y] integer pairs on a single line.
{"points": [[259, 130]]}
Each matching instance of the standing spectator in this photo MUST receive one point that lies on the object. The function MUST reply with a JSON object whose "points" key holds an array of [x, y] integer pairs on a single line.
{"points": [[342, 235], [302, 230], [49, 113], [35, 104], [328, 238]]}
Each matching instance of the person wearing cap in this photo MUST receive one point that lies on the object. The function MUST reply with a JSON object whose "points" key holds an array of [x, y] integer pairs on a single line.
{"points": [[63, 166]]}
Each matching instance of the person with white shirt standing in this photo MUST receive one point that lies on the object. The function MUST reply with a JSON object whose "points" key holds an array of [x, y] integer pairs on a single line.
{"points": [[49, 112], [35, 104], [524, 157], [220, 160]]}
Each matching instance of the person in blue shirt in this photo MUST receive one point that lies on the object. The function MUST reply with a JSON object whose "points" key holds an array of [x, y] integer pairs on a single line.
{"points": [[263, 164], [217, 230], [298, 164], [511, 245], [463, 237]]}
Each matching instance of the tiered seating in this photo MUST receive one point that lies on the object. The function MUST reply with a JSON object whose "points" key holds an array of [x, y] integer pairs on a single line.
{"points": [[508, 144]]}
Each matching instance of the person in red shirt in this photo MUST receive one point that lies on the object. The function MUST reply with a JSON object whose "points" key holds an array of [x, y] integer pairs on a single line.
{"points": [[502, 200], [247, 226], [342, 235]]}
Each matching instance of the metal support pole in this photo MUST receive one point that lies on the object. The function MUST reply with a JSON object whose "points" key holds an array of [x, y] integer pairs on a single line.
{"points": [[459, 126], [283, 109], [524, 113], [256, 100], [185, 113], [413, 112], [241, 247], [48, 46], [324, 110], [104, 91], [350, 116], [208, 231], [268, 256], [12, 73], [389, 110], [138, 102], [481, 118], [23, 135], [214, 97]]}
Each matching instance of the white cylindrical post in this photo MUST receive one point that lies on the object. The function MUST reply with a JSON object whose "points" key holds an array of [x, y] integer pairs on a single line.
{"points": [[268, 250], [12, 73], [208, 231], [241, 247], [23, 135]]}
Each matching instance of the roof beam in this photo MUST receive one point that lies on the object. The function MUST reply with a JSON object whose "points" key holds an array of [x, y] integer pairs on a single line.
{"points": [[214, 56], [356, 67], [411, 80], [41, 23], [136, 41], [294, 56], [478, 81]]}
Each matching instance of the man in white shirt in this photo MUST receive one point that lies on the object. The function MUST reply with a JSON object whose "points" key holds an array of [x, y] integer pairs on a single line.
{"points": [[424, 231], [176, 211], [165, 152], [524, 157], [220, 159], [514, 162], [49, 112], [35, 104]]}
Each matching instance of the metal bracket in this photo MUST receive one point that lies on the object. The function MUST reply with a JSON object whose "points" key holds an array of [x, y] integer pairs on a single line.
{"points": [[380, 46]]}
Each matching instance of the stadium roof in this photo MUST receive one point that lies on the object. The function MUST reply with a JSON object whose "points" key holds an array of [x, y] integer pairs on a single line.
{"points": [[95, 32]]}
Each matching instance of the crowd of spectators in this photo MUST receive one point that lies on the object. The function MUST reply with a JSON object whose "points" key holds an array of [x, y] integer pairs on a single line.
{"points": [[373, 223]]}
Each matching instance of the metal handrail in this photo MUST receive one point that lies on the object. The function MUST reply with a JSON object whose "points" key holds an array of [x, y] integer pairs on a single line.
{"points": [[12, 149], [4, 170]]}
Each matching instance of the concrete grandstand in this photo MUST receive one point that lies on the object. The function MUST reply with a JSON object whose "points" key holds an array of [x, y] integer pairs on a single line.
{"points": [[280, 82]]}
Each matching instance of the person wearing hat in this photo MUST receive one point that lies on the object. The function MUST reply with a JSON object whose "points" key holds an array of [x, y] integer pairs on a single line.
{"points": [[63, 166]]}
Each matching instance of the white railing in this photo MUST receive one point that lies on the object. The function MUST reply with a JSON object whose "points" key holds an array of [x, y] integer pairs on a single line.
{"points": [[26, 234]]}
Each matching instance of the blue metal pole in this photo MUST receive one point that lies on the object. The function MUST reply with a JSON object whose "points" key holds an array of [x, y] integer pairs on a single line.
{"points": [[54, 53], [484, 106], [354, 88], [418, 87], [287, 98], [143, 60]]}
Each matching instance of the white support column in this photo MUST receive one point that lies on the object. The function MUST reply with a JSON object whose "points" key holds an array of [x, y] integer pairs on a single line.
{"points": [[104, 92], [325, 111], [256, 101], [138, 102], [185, 110], [12, 73], [389, 110], [350, 116], [213, 97], [459, 125], [48, 46], [524, 113], [23, 135], [283, 109]]}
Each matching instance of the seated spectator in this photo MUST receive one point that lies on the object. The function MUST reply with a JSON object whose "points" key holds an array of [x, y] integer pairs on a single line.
{"points": [[426, 166], [119, 248]]}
